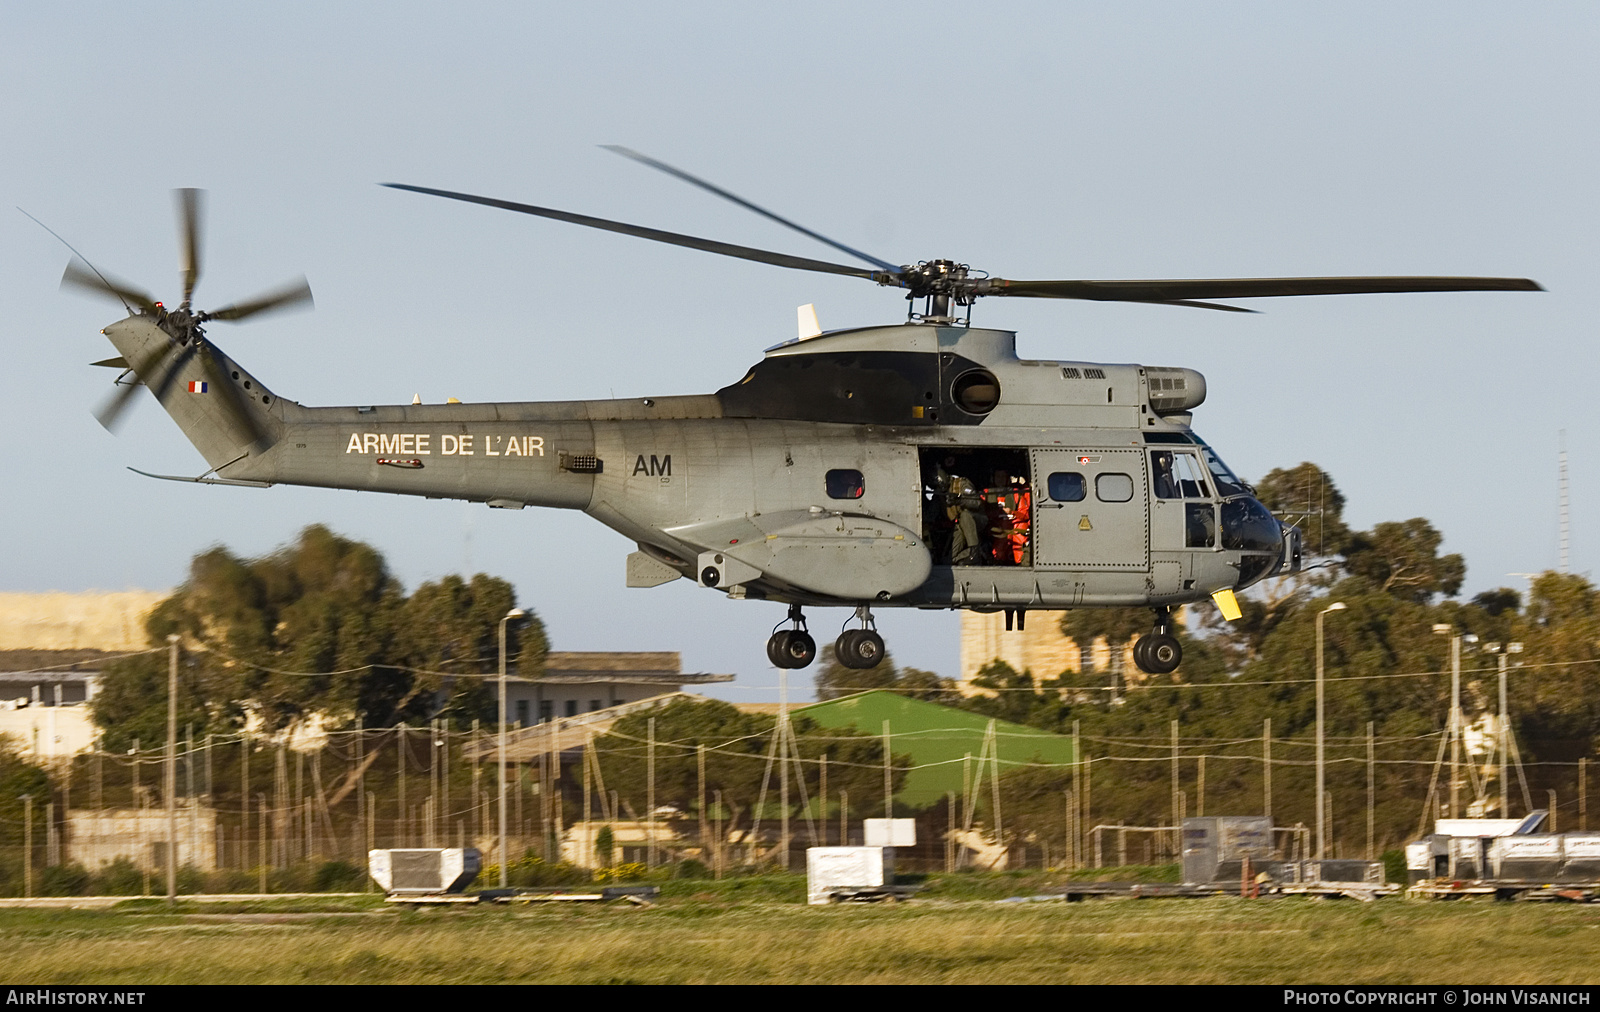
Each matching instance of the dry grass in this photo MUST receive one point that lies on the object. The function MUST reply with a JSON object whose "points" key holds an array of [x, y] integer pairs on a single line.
{"points": [[711, 940]]}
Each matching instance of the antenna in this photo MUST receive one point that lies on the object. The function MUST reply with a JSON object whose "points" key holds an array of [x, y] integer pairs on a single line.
{"points": [[1565, 566]]}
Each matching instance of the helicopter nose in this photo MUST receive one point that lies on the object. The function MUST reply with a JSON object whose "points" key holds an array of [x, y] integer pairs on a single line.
{"points": [[1249, 527]]}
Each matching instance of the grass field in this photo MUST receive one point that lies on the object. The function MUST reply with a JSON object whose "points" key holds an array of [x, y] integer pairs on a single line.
{"points": [[756, 931]]}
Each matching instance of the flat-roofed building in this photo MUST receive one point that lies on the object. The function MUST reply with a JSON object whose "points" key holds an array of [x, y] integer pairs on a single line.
{"points": [[46, 713], [577, 682]]}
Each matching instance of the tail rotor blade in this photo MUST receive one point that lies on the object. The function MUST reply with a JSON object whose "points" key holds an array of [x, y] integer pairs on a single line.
{"points": [[81, 276], [284, 297], [110, 412], [190, 225], [229, 393], [170, 373]]}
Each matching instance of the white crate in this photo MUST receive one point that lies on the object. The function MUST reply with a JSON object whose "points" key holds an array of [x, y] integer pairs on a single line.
{"points": [[833, 868]]}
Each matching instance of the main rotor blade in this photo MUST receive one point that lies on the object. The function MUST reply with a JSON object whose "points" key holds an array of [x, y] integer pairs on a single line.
{"points": [[1248, 288], [747, 205], [190, 227], [81, 275], [283, 297], [639, 231]]}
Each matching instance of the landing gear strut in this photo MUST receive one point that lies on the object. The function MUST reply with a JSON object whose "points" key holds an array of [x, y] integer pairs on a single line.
{"points": [[792, 647], [1159, 653], [860, 648]]}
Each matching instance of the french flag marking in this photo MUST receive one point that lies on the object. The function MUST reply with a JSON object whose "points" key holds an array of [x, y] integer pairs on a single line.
{"points": [[198, 387]]}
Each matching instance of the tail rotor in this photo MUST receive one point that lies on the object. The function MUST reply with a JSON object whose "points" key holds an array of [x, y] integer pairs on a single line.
{"points": [[160, 368]]}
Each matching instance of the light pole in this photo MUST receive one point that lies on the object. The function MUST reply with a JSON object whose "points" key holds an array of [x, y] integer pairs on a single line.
{"points": [[1322, 803], [504, 857], [1445, 629], [1503, 725], [171, 789], [1455, 711]]}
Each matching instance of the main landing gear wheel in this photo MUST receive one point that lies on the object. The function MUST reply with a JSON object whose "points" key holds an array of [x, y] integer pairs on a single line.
{"points": [[792, 648], [860, 648], [1159, 653]]}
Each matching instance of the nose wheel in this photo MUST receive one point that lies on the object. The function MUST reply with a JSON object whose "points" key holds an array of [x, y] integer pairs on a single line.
{"points": [[860, 648], [1159, 653], [792, 647]]}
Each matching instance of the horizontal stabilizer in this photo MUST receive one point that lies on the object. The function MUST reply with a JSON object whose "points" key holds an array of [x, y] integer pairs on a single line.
{"points": [[204, 480]]}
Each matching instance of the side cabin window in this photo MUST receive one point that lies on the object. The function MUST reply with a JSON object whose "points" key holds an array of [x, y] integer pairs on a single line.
{"points": [[1066, 486], [1113, 487], [845, 483]]}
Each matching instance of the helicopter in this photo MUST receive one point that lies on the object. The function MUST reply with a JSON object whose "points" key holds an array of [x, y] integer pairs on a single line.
{"points": [[921, 464]]}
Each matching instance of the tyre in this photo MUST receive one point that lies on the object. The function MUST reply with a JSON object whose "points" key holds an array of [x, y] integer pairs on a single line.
{"points": [[859, 648], [844, 648], [1141, 654], [778, 648], [800, 650], [1163, 655]]}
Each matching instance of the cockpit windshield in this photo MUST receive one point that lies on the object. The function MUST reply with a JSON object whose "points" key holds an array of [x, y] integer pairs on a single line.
{"points": [[1228, 484]]}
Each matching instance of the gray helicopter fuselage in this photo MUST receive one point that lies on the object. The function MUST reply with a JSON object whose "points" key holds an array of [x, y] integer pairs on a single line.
{"points": [[819, 478]]}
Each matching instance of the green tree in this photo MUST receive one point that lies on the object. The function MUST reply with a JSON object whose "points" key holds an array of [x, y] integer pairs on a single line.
{"points": [[18, 777], [318, 627], [1015, 696], [1558, 696], [1403, 559], [1305, 495], [834, 680]]}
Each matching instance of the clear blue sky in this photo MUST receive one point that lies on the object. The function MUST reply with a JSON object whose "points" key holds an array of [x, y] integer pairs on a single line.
{"points": [[1032, 140]]}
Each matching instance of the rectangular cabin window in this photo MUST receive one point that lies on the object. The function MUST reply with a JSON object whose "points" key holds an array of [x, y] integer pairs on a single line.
{"points": [[845, 483], [1066, 486], [1113, 487]]}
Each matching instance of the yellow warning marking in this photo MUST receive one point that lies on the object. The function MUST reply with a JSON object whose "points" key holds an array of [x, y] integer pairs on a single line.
{"points": [[1227, 604], [1084, 524]]}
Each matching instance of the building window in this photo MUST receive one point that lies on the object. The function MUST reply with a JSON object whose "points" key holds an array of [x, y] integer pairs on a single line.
{"points": [[572, 707], [522, 712], [546, 710], [594, 704]]}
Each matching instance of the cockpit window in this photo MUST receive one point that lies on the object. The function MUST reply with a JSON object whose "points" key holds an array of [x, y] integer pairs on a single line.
{"points": [[1177, 476], [1228, 484], [1162, 480], [845, 483]]}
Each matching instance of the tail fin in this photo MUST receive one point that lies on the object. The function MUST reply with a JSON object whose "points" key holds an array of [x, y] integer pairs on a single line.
{"points": [[226, 413]]}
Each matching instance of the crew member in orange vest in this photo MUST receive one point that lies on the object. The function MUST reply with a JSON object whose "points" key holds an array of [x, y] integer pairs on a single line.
{"points": [[1011, 515]]}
